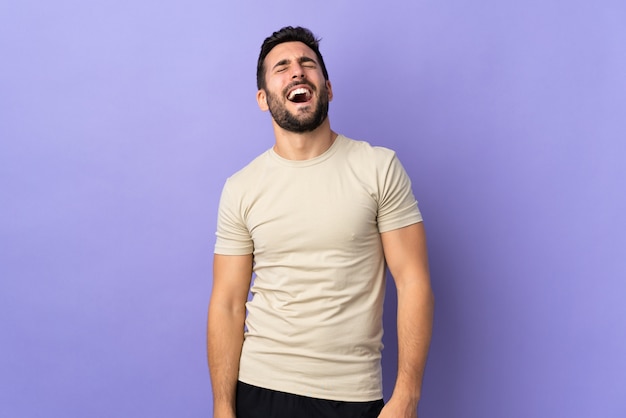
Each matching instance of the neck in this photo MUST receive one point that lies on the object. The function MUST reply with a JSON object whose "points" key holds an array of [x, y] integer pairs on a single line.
{"points": [[303, 146]]}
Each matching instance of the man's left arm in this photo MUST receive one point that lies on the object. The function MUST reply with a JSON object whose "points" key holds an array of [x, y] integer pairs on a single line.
{"points": [[407, 259]]}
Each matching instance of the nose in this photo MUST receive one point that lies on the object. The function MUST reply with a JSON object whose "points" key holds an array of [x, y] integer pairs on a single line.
{"points": [[297, 71]]}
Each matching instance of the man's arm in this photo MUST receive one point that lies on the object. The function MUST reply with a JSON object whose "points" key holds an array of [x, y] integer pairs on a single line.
{"points": [[227, 313], [407, 258]]}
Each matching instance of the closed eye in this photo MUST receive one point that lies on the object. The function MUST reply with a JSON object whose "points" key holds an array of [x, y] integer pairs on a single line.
{"points": [[307, 62], [281, 65]]}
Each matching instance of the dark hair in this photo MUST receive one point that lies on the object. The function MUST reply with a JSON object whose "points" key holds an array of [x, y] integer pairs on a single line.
{"points": [[287, 34]]}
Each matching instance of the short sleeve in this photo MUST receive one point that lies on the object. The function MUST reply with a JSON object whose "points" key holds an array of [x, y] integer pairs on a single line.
{"points": [[233, 237], [397, 205]]}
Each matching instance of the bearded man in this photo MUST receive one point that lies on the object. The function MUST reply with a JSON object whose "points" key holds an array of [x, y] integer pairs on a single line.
{"points": [[315, 219]]}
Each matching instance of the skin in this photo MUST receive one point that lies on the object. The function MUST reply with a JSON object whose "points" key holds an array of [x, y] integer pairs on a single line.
{"points": [[407, 259], [284, 65], [404, 249]]}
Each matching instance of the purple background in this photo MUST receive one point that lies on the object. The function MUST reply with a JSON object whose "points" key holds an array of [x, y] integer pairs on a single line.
{"points": [[120, 120]]}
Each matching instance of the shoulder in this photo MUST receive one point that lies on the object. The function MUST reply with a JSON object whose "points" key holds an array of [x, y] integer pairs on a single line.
{"points": [[362, 152], [250, 173], [357, 147]]}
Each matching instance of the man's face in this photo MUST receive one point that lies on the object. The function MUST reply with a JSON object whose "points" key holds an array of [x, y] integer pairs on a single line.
{"points": [[296, 93]]}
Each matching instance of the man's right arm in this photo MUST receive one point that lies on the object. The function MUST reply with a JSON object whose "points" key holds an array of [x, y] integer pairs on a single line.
{"points": [[227, 313]]}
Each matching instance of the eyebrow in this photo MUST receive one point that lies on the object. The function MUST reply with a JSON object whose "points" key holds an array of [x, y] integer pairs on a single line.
{"points": [[287, 61]]}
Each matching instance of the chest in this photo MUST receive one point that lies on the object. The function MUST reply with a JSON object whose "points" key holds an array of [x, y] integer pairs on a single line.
{"points": [[312, 210]]}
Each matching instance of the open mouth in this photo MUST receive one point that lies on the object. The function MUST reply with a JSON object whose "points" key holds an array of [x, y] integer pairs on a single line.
{"points": [[299, 95]]}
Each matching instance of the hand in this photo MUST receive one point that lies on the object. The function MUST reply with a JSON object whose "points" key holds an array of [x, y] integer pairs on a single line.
{"points": [[223, 411], [224, 416], [398, 409]]}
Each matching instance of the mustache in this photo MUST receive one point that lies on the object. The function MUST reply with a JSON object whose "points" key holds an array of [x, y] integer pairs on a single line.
{"points": [[298, 83]]}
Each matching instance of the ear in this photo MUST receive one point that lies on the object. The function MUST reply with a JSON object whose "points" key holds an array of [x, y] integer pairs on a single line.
{"points": [[329, 87], [261, 99]]}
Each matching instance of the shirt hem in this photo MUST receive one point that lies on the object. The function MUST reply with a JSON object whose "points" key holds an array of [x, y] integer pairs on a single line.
{"points": [[292, 389]]}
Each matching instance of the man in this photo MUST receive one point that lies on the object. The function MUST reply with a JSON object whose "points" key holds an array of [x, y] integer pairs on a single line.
{"points": [[315, 218]]}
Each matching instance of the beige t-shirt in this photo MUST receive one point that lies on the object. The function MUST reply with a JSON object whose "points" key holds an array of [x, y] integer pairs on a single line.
{"points": [[314, 323]]}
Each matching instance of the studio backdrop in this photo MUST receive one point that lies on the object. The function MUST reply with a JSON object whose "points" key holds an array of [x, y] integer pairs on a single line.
{"points": [[121, 120]]}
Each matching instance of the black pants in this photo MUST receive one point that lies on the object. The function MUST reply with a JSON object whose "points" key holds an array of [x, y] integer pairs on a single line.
{"points": [[256, 402]]}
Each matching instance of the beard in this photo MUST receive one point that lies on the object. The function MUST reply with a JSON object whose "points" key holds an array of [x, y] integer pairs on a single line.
{"points": [[305, 121]]}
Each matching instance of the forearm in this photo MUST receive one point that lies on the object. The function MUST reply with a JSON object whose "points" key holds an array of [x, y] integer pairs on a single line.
{"points": [[415, 316], [224, 343]]}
